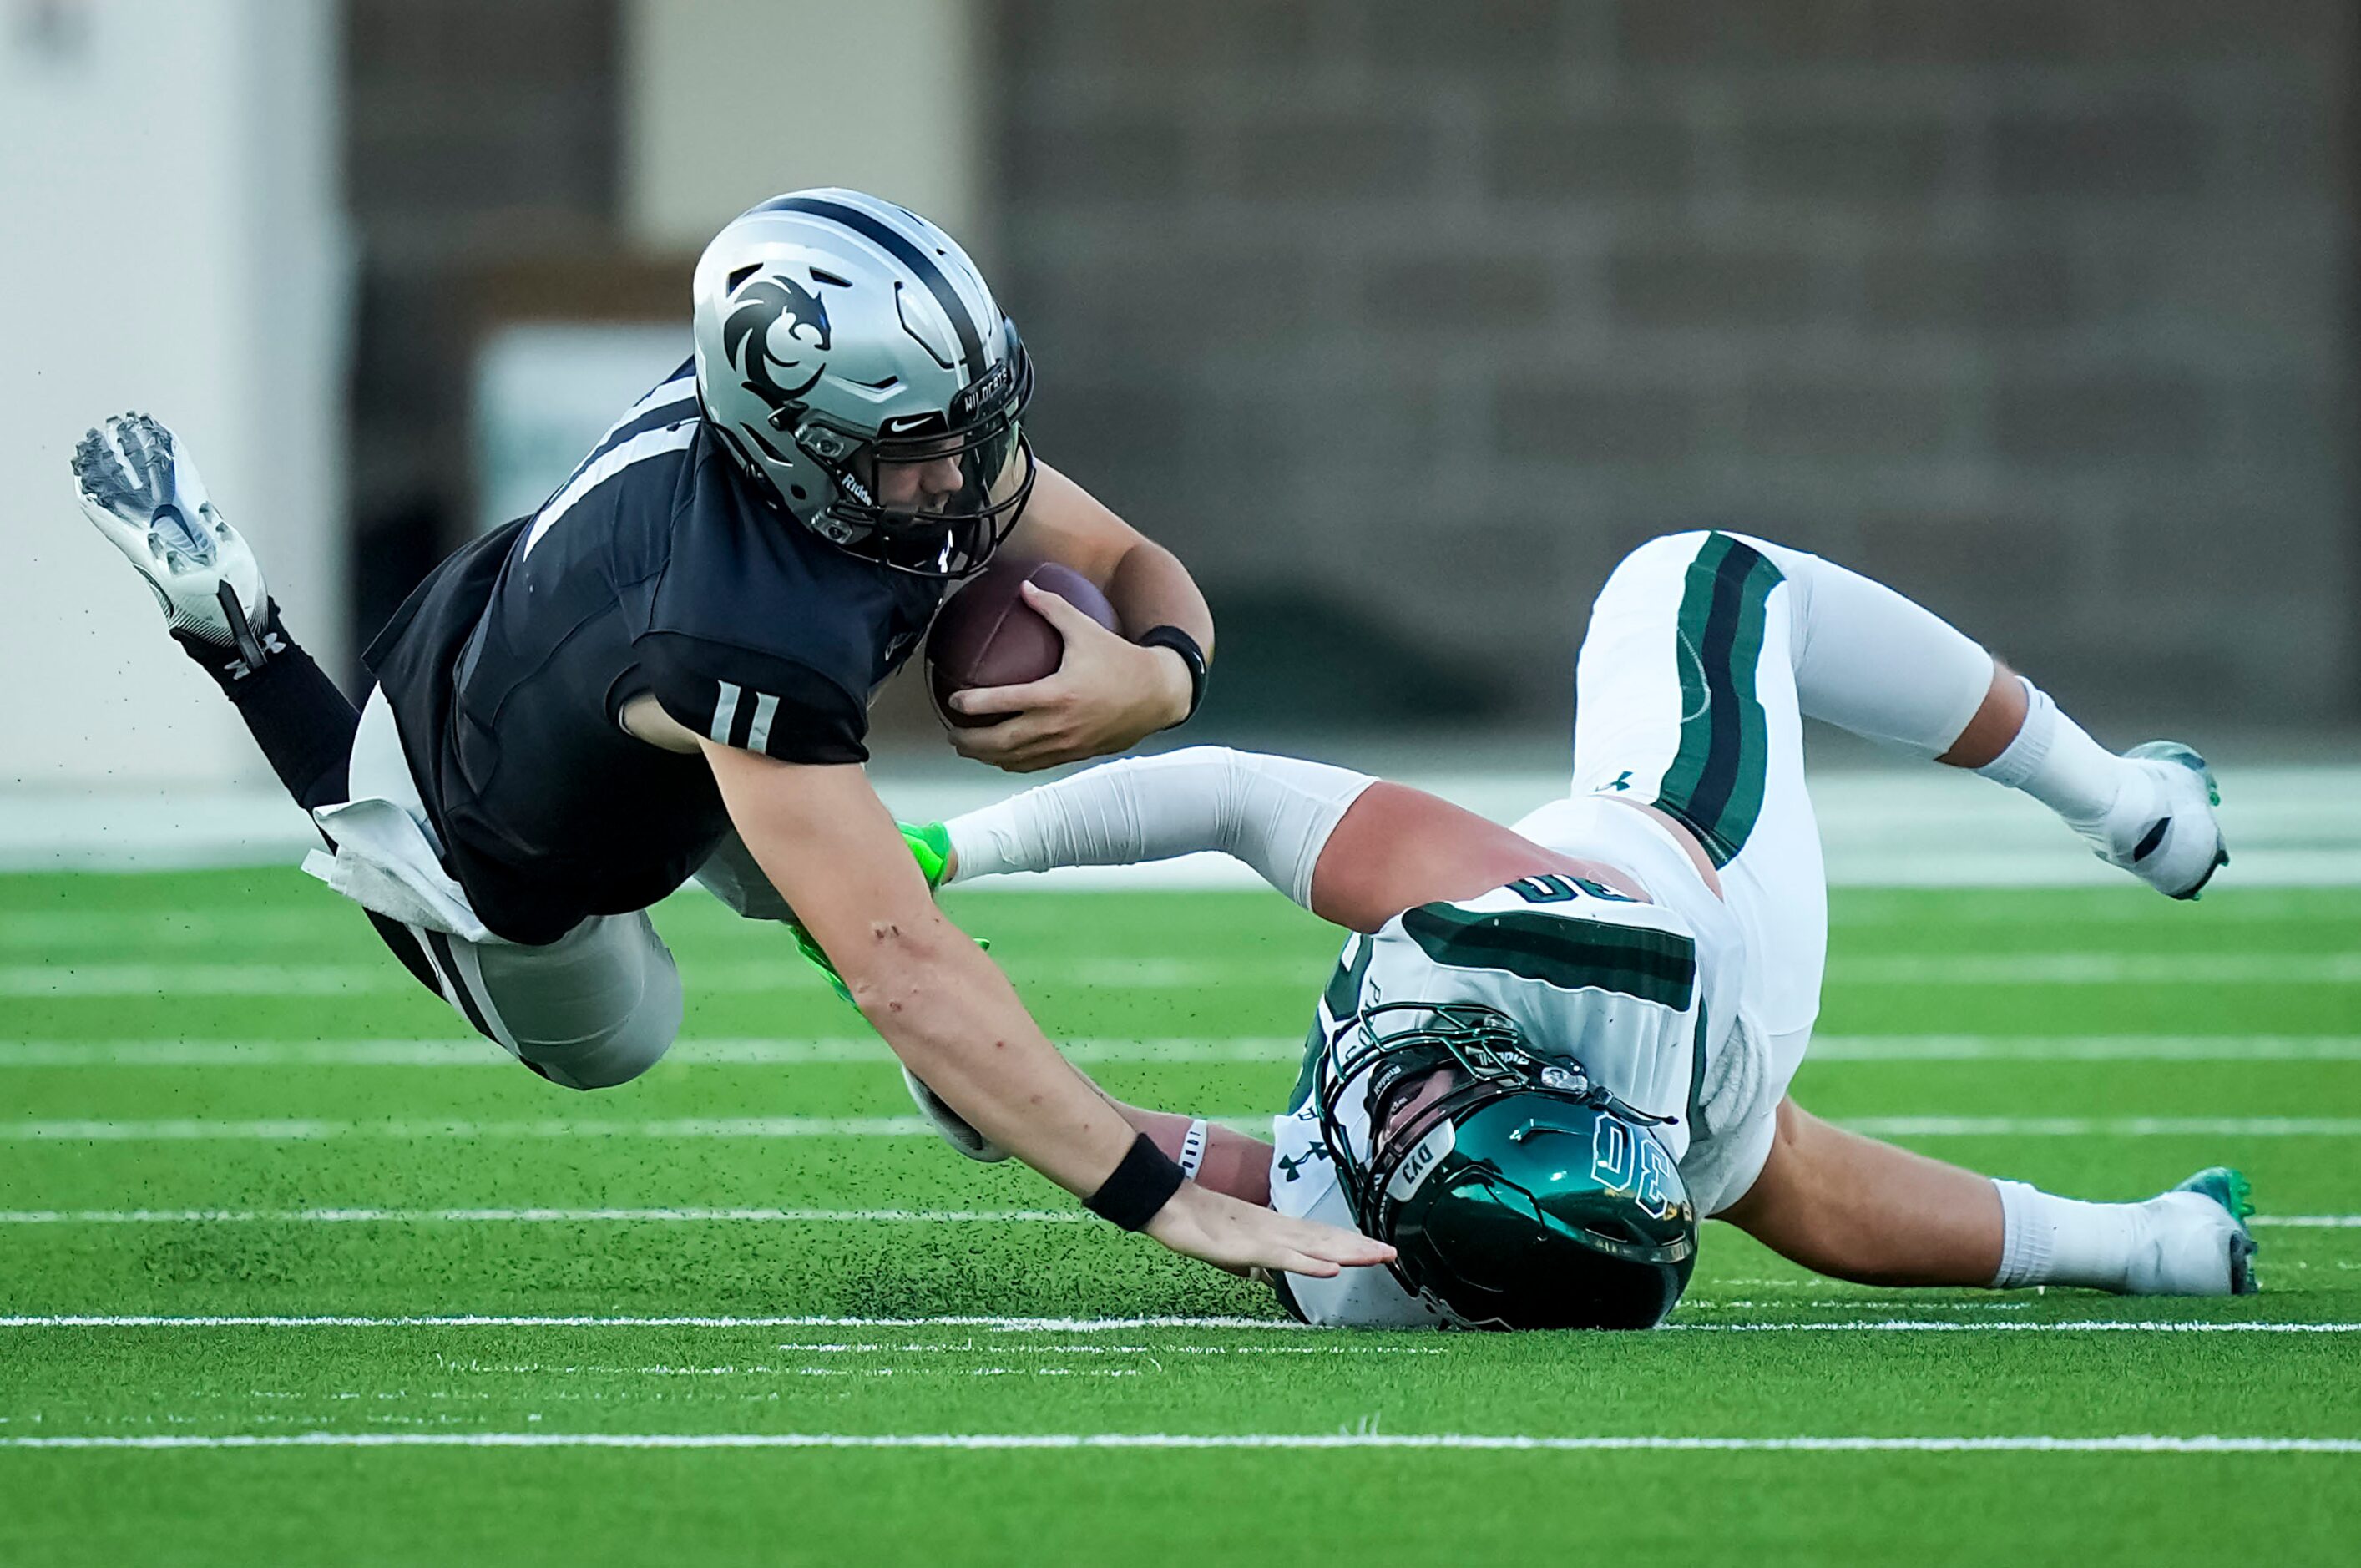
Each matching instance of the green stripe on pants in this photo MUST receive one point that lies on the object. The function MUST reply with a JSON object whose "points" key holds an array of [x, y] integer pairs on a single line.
{"points": [[1715, 784]]}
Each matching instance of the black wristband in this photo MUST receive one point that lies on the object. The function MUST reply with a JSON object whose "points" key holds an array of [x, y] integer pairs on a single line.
{"points": [[1139, 1187], [1193, 656]]}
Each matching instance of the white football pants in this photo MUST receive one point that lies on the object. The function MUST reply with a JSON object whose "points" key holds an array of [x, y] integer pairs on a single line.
{"points": [[1705, 652]]}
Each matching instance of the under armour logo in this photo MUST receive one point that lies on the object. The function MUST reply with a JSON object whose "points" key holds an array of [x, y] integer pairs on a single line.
{"points": [[1623, 779], [273, 643], [1293, 1164]]}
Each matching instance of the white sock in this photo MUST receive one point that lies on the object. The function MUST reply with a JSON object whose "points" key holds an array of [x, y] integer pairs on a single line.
{"points": [[2048, 1240], [2055, 760]]}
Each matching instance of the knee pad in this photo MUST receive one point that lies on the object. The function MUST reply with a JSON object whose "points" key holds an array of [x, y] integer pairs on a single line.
{"points": [[620, 1053]]}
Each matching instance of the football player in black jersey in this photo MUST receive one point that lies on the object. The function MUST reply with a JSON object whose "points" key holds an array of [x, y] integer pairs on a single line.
{"points": [[666, 671]]}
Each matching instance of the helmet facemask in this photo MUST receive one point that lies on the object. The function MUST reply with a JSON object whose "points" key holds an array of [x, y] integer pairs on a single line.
{"points": [[980, 433]]}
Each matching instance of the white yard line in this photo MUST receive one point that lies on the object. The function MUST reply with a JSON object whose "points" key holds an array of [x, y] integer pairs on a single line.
{"points": [[2069, 1047], [1181, 1049], [1992, 1326], [311, 1130], [2099, 969], [110, 978], [254, 921], [683, 1216], [1099, 1325], [546, 1320], [679, 1216], [823, 1050], [2143, 1443], [2310, 1221], [315, 1130], [2106, 1126]]}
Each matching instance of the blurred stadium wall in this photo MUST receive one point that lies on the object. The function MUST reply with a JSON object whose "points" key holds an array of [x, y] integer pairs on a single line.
{"points": [[532, 180], [174, 244], [1400, 320]]}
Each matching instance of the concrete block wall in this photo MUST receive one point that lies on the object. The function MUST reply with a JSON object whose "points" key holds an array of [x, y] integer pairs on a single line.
{"points": [[2041, 311], [475, 138]]}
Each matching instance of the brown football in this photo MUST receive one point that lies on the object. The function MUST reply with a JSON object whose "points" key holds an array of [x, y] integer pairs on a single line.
{"points": [[988, 636]]}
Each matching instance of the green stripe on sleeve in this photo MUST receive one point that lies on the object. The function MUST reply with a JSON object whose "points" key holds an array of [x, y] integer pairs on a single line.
{"points": [[1338, 1003], [1571, 954]]}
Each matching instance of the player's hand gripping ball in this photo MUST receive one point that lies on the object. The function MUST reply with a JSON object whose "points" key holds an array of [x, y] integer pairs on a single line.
{"points": [[988, 636]]}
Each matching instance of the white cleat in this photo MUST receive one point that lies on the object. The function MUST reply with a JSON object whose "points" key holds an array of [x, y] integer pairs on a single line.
{"points": [[2197, 1242], [141, 489], [2164, 828], [950, 1124]]}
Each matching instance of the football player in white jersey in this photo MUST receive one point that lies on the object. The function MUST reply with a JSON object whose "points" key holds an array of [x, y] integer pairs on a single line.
{"points": [[1547, 1051]]}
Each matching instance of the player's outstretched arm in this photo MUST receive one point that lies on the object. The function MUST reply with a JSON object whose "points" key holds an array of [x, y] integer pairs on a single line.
{"points": [[1109, 692], [1227, 1160], [827, 844]]}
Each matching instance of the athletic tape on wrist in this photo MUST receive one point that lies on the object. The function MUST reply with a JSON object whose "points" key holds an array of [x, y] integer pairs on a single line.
{"points": [[1138, 1188]]}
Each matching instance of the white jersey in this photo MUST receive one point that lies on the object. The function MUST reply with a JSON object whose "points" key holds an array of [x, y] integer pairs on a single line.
{"points": [[1644, 994]]}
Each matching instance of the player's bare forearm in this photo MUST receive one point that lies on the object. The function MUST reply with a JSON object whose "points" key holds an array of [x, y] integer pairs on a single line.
{"points": [[952, 1017], [1146, 582], [1108, 691], [1151, 588], [1146, 585], [1233, 1162], [827, 844], [1853, 1208]]}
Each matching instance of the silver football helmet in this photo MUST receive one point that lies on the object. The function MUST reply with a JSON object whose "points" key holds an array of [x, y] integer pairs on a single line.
{"points": [[839, 335]]}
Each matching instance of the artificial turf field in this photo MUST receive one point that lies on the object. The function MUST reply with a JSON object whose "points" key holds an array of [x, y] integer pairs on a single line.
{"points": [[289, 1271]]}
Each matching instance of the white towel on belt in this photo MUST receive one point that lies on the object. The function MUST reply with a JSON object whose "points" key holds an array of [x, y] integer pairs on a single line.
{"points": [[384, 863], [386, 859]]}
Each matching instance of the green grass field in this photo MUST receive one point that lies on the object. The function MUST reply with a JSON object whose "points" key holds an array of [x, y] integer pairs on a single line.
{"points": [[320, 1281]]}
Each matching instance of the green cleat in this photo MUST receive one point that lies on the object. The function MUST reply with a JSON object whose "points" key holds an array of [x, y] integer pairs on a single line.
{"points": [[2236, 1194]]}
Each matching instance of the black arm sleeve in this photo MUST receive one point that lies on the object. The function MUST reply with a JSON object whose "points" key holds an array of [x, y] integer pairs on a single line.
{"points": [[756, 702]]}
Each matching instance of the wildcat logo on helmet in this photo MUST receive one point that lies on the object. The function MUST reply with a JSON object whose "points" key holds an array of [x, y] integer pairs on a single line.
{"points": [[771, 314]]}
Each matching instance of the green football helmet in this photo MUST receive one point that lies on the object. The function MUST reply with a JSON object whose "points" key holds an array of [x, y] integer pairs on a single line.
{"points": [[1520, 1196]]}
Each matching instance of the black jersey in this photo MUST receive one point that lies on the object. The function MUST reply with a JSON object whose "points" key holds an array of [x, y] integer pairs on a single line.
{"points": [[654, 570]]}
